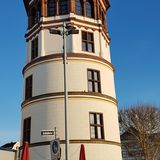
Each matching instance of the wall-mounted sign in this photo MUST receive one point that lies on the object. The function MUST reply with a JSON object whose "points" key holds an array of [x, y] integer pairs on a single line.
{"points": [[47, 132]]}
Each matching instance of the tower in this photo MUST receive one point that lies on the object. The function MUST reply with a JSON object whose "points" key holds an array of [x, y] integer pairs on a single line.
{"points": [[92, 105]]}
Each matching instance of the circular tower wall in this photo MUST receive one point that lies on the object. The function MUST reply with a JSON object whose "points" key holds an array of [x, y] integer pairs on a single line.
{"points": [[92, 105]]}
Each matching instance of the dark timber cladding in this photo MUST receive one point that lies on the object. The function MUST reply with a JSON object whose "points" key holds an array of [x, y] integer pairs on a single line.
{"points": [[72, 9], [94, 9]]}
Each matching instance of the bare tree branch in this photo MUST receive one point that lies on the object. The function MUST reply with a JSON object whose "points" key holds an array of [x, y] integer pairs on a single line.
{"points": [[143, 122]]}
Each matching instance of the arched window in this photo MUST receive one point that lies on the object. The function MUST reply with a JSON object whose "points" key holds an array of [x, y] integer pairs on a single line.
{"points": [[89, 8], [79, 7], [51, 7], [63, 7]]}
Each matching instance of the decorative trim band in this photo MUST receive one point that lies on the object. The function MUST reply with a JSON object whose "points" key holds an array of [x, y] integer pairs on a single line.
{"points": [[77, 141], [69, 55], [70, 94], [47, 25]]}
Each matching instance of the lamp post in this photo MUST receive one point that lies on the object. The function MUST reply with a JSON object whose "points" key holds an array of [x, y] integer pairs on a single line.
{"points": [[67, 30]]}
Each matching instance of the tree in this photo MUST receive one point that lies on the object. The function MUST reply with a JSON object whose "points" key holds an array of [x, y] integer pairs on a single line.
{"points": [[143, 123]]}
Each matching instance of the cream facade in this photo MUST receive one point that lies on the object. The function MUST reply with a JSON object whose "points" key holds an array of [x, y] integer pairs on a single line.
{"points": [[91, 90], [9, 155], [49, 46]]}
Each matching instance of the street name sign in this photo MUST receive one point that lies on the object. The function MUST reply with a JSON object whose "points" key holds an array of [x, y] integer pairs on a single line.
{"points": [[47, 132]]}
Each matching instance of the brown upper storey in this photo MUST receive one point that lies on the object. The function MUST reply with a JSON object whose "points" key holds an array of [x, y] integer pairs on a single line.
{"points": [[95, 9]]}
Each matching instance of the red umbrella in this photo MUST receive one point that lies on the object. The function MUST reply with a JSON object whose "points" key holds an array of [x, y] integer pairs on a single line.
{"points": [[25, 153], [82, 155]]}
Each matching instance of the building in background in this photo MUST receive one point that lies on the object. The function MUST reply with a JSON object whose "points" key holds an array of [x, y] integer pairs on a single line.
{"points": [[92, 105], [131, 149], [10, 151]]}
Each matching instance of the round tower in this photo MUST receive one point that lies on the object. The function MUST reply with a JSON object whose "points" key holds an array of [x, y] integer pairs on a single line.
{"points": [[92, 106]]}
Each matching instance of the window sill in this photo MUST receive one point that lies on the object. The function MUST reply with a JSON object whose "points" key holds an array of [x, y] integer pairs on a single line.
{"points": [[88, 52], [95, 92], [97, 140], [33, 59]]}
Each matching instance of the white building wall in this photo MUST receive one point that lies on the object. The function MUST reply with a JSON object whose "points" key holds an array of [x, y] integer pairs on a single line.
{"points": [[41, 47], [105, 49], [78, 108], [51, 76], [7, 155], [98, 152], [53, 44]]}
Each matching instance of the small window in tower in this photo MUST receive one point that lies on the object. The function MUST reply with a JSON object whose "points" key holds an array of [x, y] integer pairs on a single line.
{"points": [[96, 126], [28, 87], [87, 41], [103, 18], [89, 9], [38, 13], [94, 81], [34, 15], [27, 130], [34, 48], [63, 7], [52, 7], [79, 7]]}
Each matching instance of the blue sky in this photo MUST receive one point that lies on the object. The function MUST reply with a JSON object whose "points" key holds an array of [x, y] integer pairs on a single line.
{"points": [[134, 28]]}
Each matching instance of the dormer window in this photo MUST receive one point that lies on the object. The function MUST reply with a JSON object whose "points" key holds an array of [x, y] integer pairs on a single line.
{"points": [[79, 7], [34, 15], [85, 8], [51, 8], [103, 19], [63, 7], [89, 9], [102, 16], [38, 13], [57, 7], [32, 18]]}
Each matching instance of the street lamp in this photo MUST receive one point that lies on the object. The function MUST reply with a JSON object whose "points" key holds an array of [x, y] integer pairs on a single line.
{"points": [[67, 30]]}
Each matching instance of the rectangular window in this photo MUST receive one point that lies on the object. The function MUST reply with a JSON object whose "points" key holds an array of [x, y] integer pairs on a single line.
{"points": [[94, 81], [27, 130], [96, 126], [87, 41], [28, 87], [34, 48]]}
